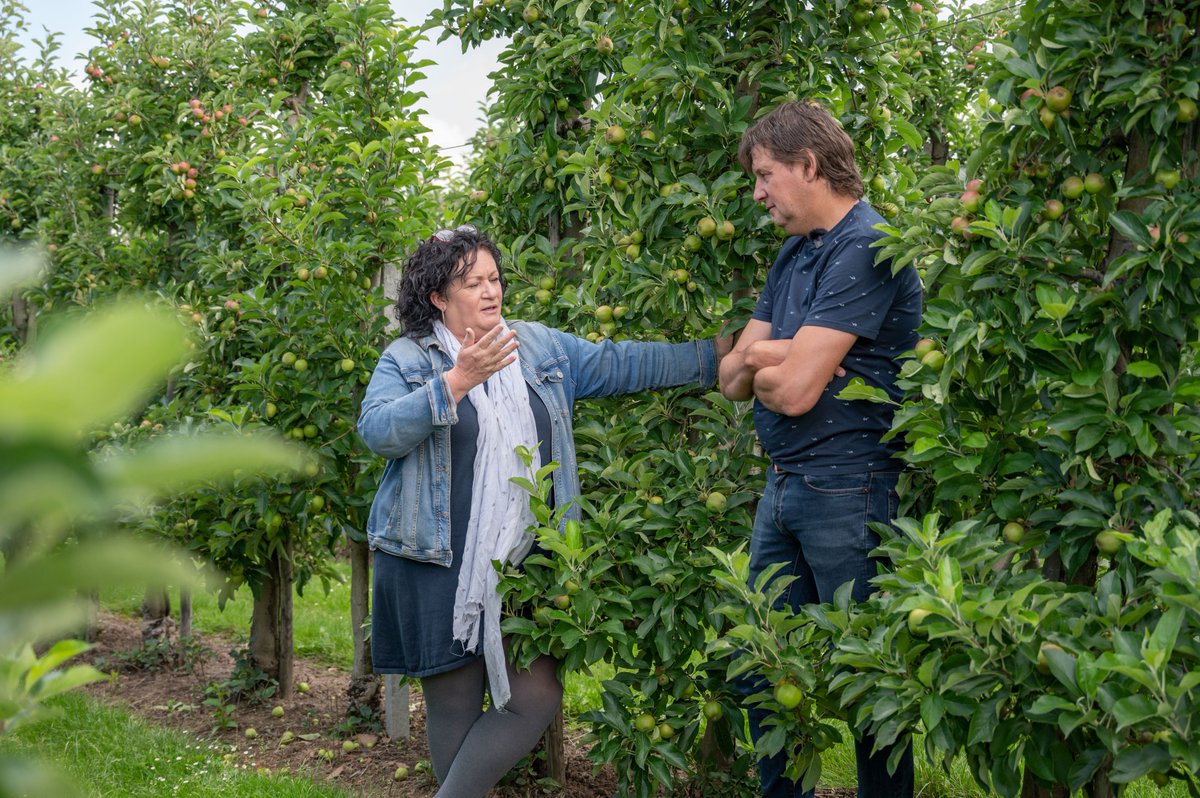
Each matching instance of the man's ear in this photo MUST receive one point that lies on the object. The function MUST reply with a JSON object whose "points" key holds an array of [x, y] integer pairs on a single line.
{"points": [[808, 165]]}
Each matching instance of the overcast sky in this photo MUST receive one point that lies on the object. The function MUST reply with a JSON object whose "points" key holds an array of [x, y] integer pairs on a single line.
{"points": [[454, 88]]}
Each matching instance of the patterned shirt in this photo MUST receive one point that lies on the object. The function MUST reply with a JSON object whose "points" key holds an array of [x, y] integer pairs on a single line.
{"points": [[830, 279]]}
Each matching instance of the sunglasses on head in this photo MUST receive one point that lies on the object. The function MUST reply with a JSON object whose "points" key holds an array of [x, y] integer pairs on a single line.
{"points": [[446, 236]]}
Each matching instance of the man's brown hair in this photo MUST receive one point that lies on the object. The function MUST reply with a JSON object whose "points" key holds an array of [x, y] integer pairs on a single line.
{"points": [[792, 129]]}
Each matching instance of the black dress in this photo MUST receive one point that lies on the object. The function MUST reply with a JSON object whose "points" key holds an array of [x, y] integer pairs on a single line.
{"points": [[412, 605]]}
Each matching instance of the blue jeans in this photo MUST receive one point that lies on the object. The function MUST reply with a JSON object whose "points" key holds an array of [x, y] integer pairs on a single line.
{"points": [[820, 524]]}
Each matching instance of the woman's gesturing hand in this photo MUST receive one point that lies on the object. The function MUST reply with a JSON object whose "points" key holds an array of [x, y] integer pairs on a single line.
{"points": [[478, 360]]}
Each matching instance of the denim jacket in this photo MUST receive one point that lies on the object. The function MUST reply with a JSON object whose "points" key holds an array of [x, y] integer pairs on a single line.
{"points": [[408, 410]]}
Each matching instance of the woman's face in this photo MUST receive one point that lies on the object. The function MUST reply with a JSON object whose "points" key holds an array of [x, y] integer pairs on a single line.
{"points": [[472, 300]]}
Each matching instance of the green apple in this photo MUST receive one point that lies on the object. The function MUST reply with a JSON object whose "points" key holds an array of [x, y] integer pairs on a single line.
{"points": [[1014, 532], [1058, 98], [1043, 661], [915, 617], [644, 722], [715, 502], [1072, 187], [1108, 542], [934, 359], [1094, 183], [277, 712], [788, 695], [1168, 178], [1185, 110]]}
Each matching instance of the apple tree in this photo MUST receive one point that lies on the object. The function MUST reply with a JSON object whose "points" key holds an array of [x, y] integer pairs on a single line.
{"points": [[333, 186], [1036, 618], [608, 173], [258, 166]]}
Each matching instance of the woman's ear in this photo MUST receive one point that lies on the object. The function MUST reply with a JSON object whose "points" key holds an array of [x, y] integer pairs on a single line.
{"points": [[438, 301]]}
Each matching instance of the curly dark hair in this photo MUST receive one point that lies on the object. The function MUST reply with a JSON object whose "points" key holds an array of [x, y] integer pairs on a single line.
{"points": [[432, 268]]}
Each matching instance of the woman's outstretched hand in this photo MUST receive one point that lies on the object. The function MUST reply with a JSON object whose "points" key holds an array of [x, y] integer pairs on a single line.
{"points": [[478, 360]]}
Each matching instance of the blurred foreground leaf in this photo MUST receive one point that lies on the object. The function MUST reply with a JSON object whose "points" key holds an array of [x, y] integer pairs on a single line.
{"points": [[18, 268], [178, 463], [92, 371]]}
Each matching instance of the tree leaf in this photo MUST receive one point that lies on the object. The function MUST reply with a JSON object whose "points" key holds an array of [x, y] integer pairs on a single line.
{"points": [[1144, 369], [858, 390]]}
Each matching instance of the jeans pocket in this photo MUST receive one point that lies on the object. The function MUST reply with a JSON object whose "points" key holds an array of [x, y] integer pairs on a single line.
{"points": [[838, 484]]}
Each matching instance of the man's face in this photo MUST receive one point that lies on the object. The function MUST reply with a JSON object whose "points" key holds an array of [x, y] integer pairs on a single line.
{"points": [[786, 190]]}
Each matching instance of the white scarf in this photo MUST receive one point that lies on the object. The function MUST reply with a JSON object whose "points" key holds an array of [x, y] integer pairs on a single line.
{"points": [[500, 514]]}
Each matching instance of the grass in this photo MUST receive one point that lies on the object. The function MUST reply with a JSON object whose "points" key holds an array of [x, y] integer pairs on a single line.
{"points": [[322, 632], [321, 628], [105, 751], [321, 622]]}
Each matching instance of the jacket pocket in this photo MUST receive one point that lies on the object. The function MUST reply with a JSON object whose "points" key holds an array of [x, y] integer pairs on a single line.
{"points": [[416, 377], [551, 370], [408, 499]]}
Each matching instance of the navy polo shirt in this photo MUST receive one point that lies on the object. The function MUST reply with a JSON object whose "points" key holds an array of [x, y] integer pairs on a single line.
{"points": [[831, 280]]}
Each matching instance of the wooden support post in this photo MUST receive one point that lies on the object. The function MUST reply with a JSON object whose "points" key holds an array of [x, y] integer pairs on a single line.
{"points": [[395, 707]]}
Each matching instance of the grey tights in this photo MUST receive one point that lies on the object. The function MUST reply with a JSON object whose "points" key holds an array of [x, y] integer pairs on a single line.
{"points": [[472, 749]]}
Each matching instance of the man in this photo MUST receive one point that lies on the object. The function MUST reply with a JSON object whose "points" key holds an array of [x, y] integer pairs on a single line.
{"points": [[826, 303]]}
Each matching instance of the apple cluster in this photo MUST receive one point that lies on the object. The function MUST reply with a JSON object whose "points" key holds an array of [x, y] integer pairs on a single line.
{"points": [[96, 73], [187, 178], [205, 117]]}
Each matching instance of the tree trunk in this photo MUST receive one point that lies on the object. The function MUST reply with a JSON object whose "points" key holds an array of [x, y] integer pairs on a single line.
{"points": [[712, 754], [1031, 789], [1137, 160], [156, 614], [364, 684], [185, 612], [554, 741], [271, 621], [23, 317], [939, 149], [1101, 787]]}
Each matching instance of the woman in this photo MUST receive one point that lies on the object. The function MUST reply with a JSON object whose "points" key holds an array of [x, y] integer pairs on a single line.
{"points": [[447, 404]]}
